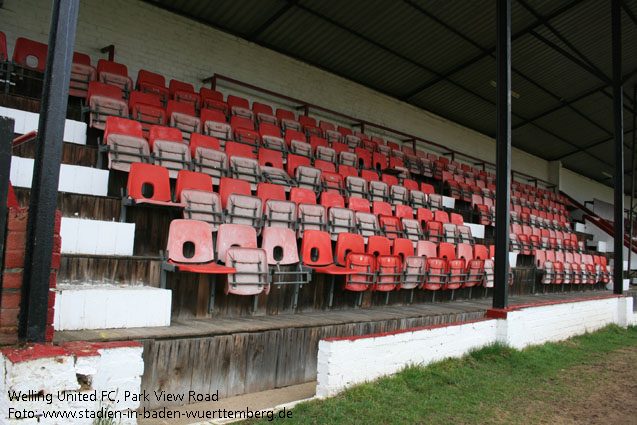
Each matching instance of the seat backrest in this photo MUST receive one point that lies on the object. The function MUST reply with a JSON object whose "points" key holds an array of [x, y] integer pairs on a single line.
{"points": [[329, 199], [356, 186], [378, 245], [160, 132], [118, 125], [369, 175], [144, 76], [358, 204], [175, 107], [346, 243], [381, 208], [30, 53], [457, 219], [378, 191], [97, 88], [426, 249], [176, 85], [201, 140], [480, 252], [4, 56], [212, 115], [404, 211], [403, 248], [427, 188], [147, 181], [304, 120], [302, 196], [111, 67], [238, 101], [267, 191], [148, 98], [192, 180], [239, 149], [241, 122], [441, 216], [316, 248], [231, 235], [447, 250], [228, 186], [190, 241], [465, 251], [280, 245]]}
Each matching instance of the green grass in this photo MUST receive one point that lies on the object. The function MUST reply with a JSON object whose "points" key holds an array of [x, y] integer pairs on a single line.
{"points": [[489, 385]]}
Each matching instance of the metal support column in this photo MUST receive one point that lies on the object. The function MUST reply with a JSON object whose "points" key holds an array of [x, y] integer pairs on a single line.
{"points": [[503, 154], [43, 202], [6, 144], [618, 120], [632, 185]]}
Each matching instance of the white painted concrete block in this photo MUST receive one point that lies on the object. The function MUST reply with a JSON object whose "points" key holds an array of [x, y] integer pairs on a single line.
{"points": [[25, 122], [95, 237], [110, 306], [513, 259], [448, 202], [581, 228], [477, 230]]}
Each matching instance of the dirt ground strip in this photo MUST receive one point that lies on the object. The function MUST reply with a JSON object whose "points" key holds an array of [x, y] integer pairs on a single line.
{"points": [[603, 392]]}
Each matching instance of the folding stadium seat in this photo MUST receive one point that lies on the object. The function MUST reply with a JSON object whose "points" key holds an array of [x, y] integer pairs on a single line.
{"points": [[240, 107], [113, 73], [190, 249], [384, 150], [82, 73], [398, 195], [294, 161], [340, 220], [329, 200], [333, 183], [146, 108], [364, 158], [246, 169], [389, 273], [184, 92], [434, 231], [27, 51], [356, 187], [168, 149], [390, 226], [413, 267], [194, 190], [435, 201], [367, 224], [330, 133], [271, 137], [411, 229], [450, 232], [150, 82], [264, 114], [244, 132], [404, 211], [238, 203], [207, 157], [324, 153], [297, 143], [308, 178], [302, 196], [147, 184], [424, 216], [381, 208], [379, 161], [348, 158], [309, 126], [184, 117], [456, 219], [358, 204], [125, 143], [4, 55], [270, 158], [378, 191], [464, 234], [104, 100], [436, 273], [349, 138], [212, 99], [369, 145], [213, 123], [279, 213], [281, 250], [325, 166], [287, 120], [418, 199], [316, 253], [311, 217], [237, 246]]}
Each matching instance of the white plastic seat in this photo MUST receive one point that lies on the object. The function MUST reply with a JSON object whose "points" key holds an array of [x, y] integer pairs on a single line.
{"points": [[203, 206]]}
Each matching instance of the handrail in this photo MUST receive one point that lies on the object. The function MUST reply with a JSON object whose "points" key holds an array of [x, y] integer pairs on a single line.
{"points": [[446, 151], [24, 138]]}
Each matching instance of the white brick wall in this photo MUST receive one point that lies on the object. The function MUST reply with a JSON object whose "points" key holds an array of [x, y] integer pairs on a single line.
{"points": [[96, 237], [151, 38], [343, 362], [112, 368], [110, 306]]}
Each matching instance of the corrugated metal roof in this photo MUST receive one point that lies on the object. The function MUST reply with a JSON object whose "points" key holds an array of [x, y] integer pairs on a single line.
{"points": [[438, 55]]}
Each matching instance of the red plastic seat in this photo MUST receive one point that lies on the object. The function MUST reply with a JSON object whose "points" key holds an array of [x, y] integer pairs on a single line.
{"points": [[436, 274], [149, 184], [381, 208], [192, 180], [184, 117], [252, 276], [287, 120], [212, 99], [114, 73], [294, 161], [104, 100], [240, 107], [271, 137], [308, 124], [228, 186], [378, 245], [358, 204], [147, 108], [190, 248], [389, 272], [332, 200], [4, 56], [168, 149], [213, 123], [82, 73], [316, 252], [29, 54], [184, 92], [333, 183], [243, 131], [434, 231], [404, 211], [264, 114], [151, 82], [126, 143], [207, 156], [302, 196], [364, 158]]}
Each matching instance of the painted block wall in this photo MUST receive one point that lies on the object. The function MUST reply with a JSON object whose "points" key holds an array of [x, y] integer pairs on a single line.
{"points": [[151, 38], [106, 369], [343, 362]]}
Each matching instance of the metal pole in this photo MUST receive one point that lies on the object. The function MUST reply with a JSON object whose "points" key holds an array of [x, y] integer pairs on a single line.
{"points": [[632, 185], [43, 203], [503, 154], [618, 120]]}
